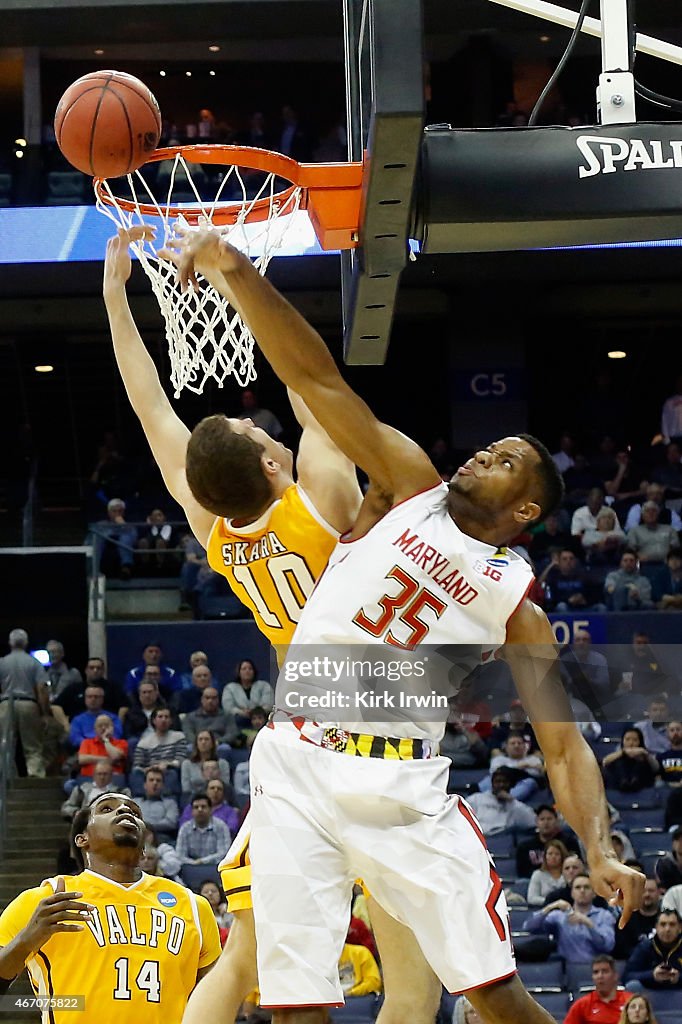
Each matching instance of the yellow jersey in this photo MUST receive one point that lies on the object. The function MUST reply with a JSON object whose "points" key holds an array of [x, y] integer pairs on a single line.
{"points": [[273, 563], [135, 960]]}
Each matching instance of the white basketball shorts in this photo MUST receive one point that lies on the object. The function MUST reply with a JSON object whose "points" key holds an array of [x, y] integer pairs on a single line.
{"points": [[320, 819]]}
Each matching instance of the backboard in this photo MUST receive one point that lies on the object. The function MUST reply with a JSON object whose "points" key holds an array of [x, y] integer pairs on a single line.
{"points": [[385, 116]]}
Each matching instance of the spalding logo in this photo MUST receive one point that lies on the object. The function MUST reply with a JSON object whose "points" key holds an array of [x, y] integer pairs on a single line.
{"points": [[167, 899]]}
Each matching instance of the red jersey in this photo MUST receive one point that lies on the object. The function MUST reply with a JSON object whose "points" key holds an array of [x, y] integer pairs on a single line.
{"points": [[591, 1009]]}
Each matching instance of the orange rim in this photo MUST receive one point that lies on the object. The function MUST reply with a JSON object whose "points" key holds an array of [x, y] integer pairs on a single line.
{"points": [[331, 193]]}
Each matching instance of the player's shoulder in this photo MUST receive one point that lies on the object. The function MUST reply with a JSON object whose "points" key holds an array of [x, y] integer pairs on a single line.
{"points": [[25, 902]]}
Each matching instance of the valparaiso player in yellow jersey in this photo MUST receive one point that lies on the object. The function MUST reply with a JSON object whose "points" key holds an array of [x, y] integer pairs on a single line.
{"points": [[118, 945], [270, 536]]}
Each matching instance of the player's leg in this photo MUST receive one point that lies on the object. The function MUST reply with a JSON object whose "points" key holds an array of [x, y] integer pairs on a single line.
{"points": [[507, 1002], [218, 996], [412, 992]]}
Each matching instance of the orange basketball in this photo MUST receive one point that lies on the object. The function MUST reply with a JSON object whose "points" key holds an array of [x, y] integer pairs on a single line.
{"points": [[107, 123]]}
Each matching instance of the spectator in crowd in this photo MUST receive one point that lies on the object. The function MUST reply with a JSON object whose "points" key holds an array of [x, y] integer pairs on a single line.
{"points": [[71, 700], [256, 134], [603, 545], [585, 517], [202, 678], [259, 720], [669, 866], [579, 479], [625, 589], [216, 898], [671, 759], [529, 853], [103, 781], [463, 746], [573, 866], [117, 540], [205, 750], [671, 582], [566, 585], [638, 1010], [651, 541], [246, 693], [642, 674], [603, 460], [209, 718], [59, 675], [656, 494], [358, 972], [631, 767], [654, 728], [550, 534], [83, 725], [563, 459], [581, 929], [166, 749], [464, 1013], [527, 770], [548, 876], [194, 563], [498, 811], [240, 783], [103, 746], [473, 712], [138, 719], [641, 923], [262, 418], [157, 537], [153, 655], [669, 475], [195, 658], [203, 840], [628, 484], [292, 141], [515, 721], [622, 845], [605, 1003], [164, 855], [159, 811], [585, 672], [360, 934], [220, 808], [23, 680], [671, 416], [657, 962]]}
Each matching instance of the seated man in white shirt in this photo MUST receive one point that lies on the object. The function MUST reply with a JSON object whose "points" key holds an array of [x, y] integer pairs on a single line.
{"points": [[498, 811], [527, 770]]}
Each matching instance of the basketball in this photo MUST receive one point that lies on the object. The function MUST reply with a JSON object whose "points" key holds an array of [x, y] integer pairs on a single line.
{"points": [[107, 124]]}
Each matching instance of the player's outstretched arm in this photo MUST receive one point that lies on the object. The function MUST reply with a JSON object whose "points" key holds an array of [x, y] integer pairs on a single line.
{"points": [[573, 772], [166, 433], [300, 358], [329, 478]]}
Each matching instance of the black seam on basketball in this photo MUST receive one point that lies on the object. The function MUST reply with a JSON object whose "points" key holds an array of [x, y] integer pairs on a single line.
{"points": [[77, 100], [154, 109], [103, 90]]}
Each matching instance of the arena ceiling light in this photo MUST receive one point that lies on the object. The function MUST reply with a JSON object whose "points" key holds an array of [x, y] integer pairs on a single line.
{"points": [[617, 354], [44, 368], [214, 48]]}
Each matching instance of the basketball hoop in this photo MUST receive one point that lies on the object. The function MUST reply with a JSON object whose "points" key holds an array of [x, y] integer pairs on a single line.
{"points": [[206, 337]]}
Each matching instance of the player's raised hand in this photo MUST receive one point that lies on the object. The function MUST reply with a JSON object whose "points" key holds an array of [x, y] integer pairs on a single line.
{"points": [[117, 262], [61, 912], [199, 250], [621, 886]]}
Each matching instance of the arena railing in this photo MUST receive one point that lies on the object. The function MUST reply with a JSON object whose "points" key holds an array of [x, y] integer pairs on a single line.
{"points": [[98, 536]]}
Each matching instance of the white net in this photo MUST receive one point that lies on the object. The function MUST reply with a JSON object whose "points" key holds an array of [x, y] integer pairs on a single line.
{"points": [[206, 337]]}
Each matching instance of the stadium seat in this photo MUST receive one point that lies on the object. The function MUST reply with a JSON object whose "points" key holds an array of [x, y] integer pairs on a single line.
{"points": [[5, 189], [648, 862], [358, 1010], [547, 977], [556, 1003], [579, 977], [649, 841], [501, 845], [667, 1017], [520, 885], [466, 780], [65, 188], [652, 796], [642, 817], [517, 916], [447, 1008], [237, 755], [662, 1000], [506, 867]]}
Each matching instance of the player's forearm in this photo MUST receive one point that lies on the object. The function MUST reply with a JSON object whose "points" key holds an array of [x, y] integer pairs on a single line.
{"points": [[136, 366], [12, 959], [296, 352], [578, 772]]}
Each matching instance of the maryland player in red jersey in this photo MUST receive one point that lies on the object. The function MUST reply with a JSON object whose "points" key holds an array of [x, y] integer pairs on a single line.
{"points": [[270, 536], [113, 942]]}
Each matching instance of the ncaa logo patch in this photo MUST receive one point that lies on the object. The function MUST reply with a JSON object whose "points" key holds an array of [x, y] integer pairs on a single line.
{"points": [[167, 899], [497, 562]]}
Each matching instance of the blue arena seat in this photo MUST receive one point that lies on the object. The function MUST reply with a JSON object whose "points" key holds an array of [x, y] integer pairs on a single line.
{"points": [[579, 977], [662, 1000], [547, 977], [517, 916], [358, 1010], [642, 817], [447, 1008], [506, 867], [652, 796], [650, 841], [648, 862], [520, 885], [466, 780], [556, 1003], [237, 755], [501, 845]]}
